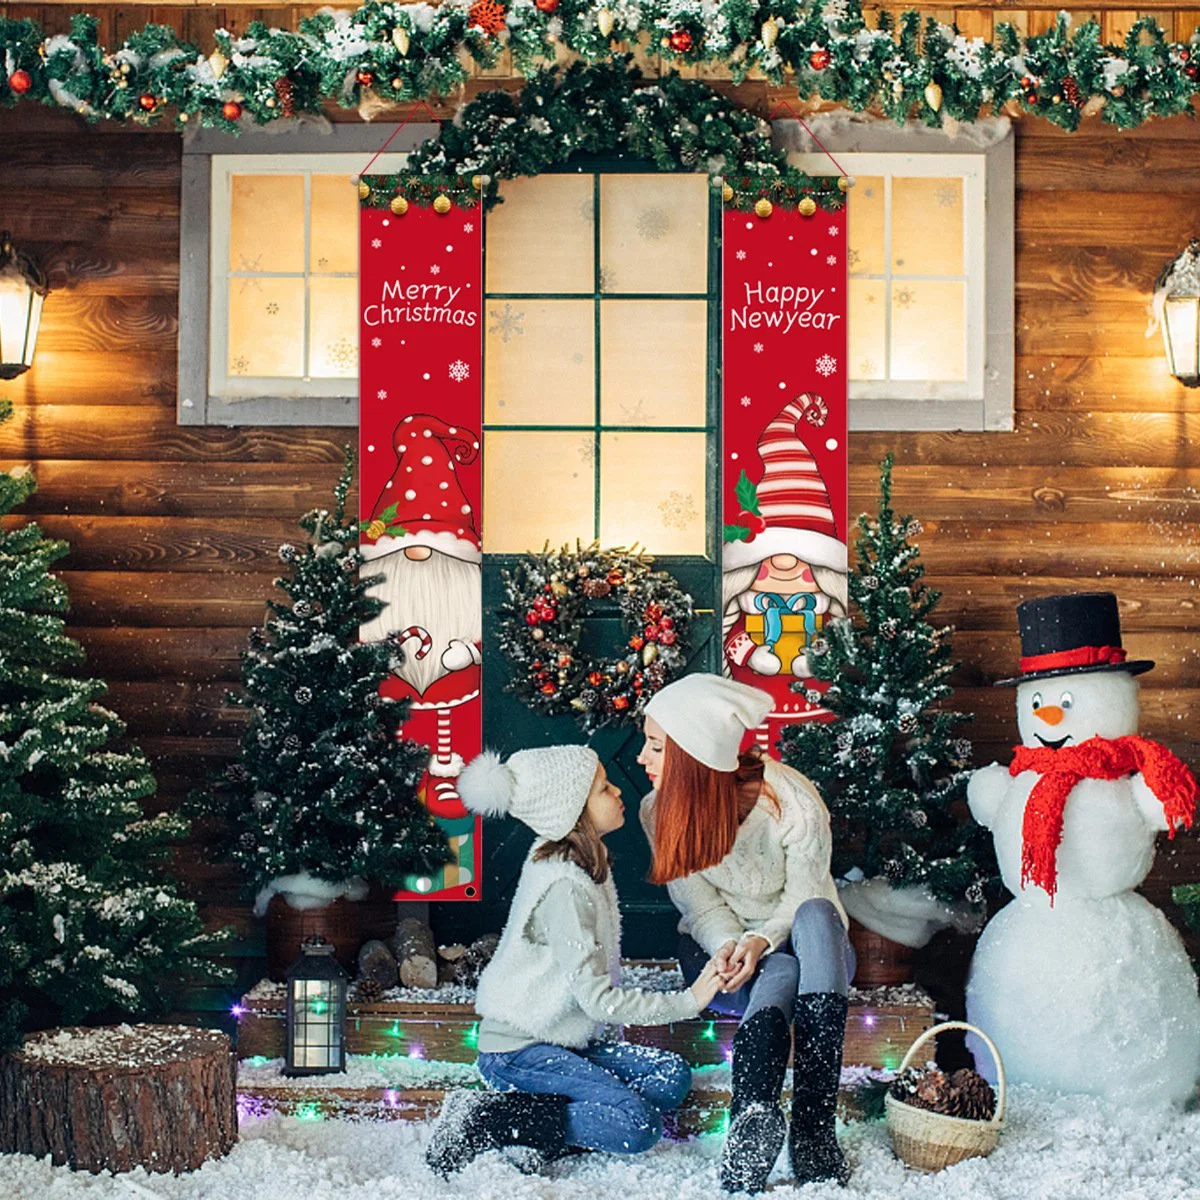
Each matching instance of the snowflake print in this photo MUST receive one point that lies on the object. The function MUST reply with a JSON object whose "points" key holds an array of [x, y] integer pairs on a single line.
{"points": [[758, 347], [853, 258], [435, 269], [947, 195], [745, 401], [381, 394], [322, 262], [240, 365], [634, 413], [508, 323], [376, 243], [833, 231], [866, 368], [905, 297], [678, 510], [468, 228], [376, 343], [459, 371], [826, 365], [342, 353], [741, 254], [587, 451], [831, 260], [652, 224], [272, 309]]}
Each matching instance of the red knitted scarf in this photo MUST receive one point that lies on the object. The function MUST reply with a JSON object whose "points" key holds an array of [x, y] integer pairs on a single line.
{"points": [[1170, 780]]}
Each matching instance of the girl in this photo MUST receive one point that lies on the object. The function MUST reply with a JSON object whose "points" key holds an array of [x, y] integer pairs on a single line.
{"points": [[553, 982], [743, 844]]}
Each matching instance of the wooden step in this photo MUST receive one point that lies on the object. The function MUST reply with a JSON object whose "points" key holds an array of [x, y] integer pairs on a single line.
{"points": [[881, 1025]]}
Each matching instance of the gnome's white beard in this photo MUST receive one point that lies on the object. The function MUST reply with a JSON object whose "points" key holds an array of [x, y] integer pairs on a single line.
{"points": [[441, 594]]}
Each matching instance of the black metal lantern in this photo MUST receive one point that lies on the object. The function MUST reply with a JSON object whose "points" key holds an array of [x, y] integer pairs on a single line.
{"points": [[316, 1011], [1177, 309], [23, 287]]}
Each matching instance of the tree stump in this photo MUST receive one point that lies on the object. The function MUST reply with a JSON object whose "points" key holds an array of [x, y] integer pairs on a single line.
{"points": [[413, 946], [163, 1097]]}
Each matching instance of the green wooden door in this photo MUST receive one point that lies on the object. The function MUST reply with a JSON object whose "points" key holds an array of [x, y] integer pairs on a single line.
{"points": [[639, 196]]}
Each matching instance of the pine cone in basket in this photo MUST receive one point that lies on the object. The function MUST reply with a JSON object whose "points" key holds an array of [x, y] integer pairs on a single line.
{"points": [[971, 1096], [923, 1087], [368, 990]]}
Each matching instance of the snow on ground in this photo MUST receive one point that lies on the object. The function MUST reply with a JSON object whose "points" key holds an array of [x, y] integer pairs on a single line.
{"points": [[1055, 1148]]}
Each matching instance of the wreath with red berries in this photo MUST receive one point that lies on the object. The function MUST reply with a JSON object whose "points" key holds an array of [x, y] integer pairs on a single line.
{"points": [[547, 598]]}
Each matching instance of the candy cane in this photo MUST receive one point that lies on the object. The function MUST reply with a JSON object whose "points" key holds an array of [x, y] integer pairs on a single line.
{"points": [[415, 631], [814, 408]]}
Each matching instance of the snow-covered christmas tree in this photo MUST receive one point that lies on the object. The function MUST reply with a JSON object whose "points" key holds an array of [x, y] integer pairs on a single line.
{"points": [[893, 768], [91, 927], [324, 794]]}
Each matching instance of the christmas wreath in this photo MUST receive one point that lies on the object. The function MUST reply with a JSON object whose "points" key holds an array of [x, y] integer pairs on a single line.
{"points": [[547, 597]]}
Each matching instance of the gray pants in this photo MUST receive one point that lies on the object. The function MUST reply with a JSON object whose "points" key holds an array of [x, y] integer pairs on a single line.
{"points": [[817, 958]]}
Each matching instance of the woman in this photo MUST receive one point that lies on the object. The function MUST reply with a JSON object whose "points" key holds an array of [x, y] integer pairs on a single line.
{"points": [[743, 844]]}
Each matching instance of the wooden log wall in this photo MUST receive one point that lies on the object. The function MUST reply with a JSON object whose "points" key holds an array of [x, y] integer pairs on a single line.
{"points": [[174, 531]]}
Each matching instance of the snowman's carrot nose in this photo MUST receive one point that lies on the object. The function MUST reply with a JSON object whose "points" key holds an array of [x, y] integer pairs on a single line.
{"points": [[1050, 713]]}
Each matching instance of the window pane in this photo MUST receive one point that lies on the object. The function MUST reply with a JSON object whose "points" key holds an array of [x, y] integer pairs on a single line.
{"points": [[539, 358], [266, 327], [865, 226], [266, 223], [653, 365], [333, 328], [333, 233], [652, 491], [928, 330], [868, 329], [927, 217], [540, 238], [537, 488], [654, 233]]}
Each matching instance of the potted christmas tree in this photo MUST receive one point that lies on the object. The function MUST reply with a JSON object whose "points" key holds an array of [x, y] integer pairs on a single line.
{"points": [[893, 767], [322, 800], [92, 927]]}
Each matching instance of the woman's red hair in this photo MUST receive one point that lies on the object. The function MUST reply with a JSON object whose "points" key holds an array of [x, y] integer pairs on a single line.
{"points": [[697, 811]]}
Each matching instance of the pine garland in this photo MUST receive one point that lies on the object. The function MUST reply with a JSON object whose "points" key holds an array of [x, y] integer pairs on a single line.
{"points": [[405, 52]]}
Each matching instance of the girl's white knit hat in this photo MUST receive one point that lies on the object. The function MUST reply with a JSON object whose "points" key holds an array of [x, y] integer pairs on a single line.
{"points": [[546, 787], [707, 716]]}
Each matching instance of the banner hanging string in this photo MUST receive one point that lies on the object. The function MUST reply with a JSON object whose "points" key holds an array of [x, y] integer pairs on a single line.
{"points": [[411, 111]]}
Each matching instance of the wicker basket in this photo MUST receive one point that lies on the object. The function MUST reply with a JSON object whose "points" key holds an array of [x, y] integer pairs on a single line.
{"points": [[930, 1141]]}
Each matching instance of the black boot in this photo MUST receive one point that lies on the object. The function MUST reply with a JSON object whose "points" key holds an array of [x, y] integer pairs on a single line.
{"points": [[819, 1029], [474, 1122], [756, 1125]]}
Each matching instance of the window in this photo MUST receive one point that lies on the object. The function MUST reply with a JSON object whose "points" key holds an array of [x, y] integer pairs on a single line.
{"points": [[931, 279], [600, 338], [269, 274]]}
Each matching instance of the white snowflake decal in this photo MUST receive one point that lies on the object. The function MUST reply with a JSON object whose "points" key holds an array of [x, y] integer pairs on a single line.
{"points": [[376, 243], [745, 401], [468, 228], [758, 347], [826, 365], [376, 342], [831, 259], [459, 370], [833, 231], [741, 254], [435, 269], [381, 394]]}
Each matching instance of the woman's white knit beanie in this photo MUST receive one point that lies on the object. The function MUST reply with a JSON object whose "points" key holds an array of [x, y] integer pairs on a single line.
{"points": [[707, 716], [546, 787]]}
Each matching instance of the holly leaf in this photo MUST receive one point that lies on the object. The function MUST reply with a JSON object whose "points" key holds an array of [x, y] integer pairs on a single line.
{"points": [[389, 514], [736, 533], [747, 495]]}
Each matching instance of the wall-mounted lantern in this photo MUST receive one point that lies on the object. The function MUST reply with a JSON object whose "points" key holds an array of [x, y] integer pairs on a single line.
{"points": [[23, 287], [1177, 310]]}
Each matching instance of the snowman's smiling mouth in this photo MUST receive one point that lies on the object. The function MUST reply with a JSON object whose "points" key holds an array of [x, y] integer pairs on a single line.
{"points": [[1053, 745]]}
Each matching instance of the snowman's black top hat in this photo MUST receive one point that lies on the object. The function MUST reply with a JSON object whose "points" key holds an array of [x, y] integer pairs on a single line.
{"points": [[1068, 635]]}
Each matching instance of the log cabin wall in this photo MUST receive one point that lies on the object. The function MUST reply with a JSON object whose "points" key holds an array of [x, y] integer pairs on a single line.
{"points": [[174, 531]]}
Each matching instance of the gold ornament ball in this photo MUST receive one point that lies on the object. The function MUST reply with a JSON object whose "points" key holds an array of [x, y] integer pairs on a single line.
{"points": [[479, 182], [269, 102], [622, 667], [727, 193], [397, 84], [763, 208], [399, 205], [442, 205], [845, 182], [807, 206], [363, 190]]}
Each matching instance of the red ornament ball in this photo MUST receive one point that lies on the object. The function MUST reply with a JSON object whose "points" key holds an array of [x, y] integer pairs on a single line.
{"points": [[147, 102], [20, 81], [548, 689], [667, 622], [231, 110], [819, 60], [681, 41], [650, 633], [620, 702], [365, 78], [667, 637], [546, 6], [531, 618], [1191, 70]]}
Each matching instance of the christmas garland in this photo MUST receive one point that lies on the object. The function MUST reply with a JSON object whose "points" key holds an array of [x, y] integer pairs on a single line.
{"points": [[547, 597], [604, 109], [385, 52]]}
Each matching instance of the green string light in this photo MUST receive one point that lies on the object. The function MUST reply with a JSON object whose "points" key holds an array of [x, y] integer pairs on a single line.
{"points": [[710, 1032]]}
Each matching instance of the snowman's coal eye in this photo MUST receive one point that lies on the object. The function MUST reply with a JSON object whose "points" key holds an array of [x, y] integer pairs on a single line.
{"points": [[1036, 701], [1066, 700]]}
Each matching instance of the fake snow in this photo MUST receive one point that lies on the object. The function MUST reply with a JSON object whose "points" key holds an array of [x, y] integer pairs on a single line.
{"points": [[1065, 1148]]}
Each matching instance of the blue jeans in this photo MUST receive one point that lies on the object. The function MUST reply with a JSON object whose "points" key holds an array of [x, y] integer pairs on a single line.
{"points": [[617, 1092], [817, 958]]}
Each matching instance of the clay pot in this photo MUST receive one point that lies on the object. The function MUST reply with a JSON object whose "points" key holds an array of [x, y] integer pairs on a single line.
{"points": [[287, 927], [881, 961]]}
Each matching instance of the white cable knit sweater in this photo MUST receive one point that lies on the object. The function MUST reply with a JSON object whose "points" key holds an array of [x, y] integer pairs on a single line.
{"points": [[777, 862]]}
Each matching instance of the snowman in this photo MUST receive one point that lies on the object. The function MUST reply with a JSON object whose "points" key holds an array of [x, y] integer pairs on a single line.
{"points": [[1082, 983]]}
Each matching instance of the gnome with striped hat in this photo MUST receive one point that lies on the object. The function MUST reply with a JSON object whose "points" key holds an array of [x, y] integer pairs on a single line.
{"points": [[784, 563]]}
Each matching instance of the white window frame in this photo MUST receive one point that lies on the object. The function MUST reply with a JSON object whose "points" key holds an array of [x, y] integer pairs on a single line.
{"points": [[207, 394], [985, 164]]}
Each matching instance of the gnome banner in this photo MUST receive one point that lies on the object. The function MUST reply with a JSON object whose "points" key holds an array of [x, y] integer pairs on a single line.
{"points": [[421, 406], [784, 490]]}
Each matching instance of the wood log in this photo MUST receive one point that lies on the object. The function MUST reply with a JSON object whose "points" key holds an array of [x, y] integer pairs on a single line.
{"points": [[162, 1097], [413, 947]]}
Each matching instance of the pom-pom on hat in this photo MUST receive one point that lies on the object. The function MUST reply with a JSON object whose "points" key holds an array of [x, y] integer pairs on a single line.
{"points": [[707, 716], [546, 787]]}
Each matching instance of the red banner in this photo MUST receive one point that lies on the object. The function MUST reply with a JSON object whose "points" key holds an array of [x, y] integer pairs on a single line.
{"points": [[421, 485], [784, 489]]}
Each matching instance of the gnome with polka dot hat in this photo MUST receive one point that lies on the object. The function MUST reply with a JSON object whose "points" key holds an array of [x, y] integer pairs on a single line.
{"points": [[423, 541], [784, 565]]}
